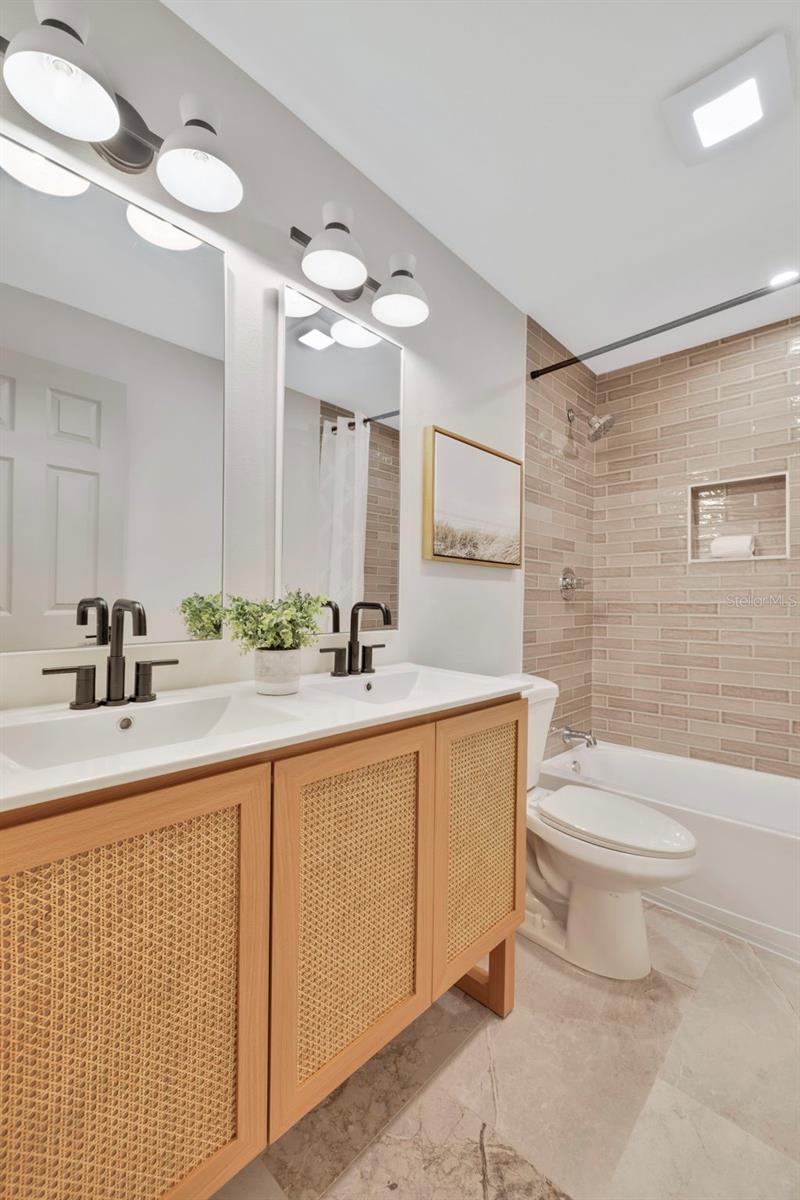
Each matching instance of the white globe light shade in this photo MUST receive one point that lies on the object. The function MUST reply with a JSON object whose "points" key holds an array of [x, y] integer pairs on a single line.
{"points": [[160, 233], [400, 301], [191, 166], [55, 78], [38, 172], [353, 335], [298, 305], [333, 259]]}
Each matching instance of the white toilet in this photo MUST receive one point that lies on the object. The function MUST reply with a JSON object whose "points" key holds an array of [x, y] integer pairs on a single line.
{"points": [[590, 853]]}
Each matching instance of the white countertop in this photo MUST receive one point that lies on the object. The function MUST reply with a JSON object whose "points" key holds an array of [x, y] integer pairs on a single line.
{"points": [[51, 751]]}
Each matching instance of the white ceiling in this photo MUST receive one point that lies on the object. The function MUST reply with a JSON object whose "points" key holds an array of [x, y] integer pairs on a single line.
{"points": [[528, 137]]}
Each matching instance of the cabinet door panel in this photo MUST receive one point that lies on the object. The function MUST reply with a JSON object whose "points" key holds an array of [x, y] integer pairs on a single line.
{"points": [[480, 836], [134, 993], [351, 912]]}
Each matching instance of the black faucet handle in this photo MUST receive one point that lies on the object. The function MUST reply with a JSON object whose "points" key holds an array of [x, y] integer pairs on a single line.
{"points": [[84, 684], [100, 637], [339, 659], [366, 657], [143, 679]]}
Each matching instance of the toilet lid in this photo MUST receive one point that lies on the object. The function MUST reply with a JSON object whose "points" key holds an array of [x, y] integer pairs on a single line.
{"points": [[607, 819]]}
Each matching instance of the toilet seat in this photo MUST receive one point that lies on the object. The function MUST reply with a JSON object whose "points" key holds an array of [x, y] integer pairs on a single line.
{"points": [[614, 822]]}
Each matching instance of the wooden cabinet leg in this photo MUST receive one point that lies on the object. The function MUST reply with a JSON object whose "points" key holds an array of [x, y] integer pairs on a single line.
{"points": [[493, 988]]}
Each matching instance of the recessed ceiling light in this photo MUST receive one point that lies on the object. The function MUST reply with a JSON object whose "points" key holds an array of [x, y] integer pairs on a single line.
{"points": [[38, 172], [316, 339], [160, 233], [298, 305], [730, 113], [715, 112], [333, 258], [784, 277], [353, 335], [52, 75]]}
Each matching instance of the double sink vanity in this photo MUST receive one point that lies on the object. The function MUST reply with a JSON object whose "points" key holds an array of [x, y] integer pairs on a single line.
{"points": [[218, 905]]}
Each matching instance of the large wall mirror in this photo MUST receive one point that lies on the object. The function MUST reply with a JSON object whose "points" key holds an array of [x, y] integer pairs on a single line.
{"points": [[341, 459], [112, 332]]}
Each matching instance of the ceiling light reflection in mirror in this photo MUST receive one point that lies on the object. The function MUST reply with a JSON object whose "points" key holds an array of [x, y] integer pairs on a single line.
{"points": [[38, 172], [160, 233]]}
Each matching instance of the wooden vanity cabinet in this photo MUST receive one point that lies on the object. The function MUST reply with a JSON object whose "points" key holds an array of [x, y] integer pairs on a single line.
{"points": [[398, 863], [352, 910], [147, 961], [134, 993]]}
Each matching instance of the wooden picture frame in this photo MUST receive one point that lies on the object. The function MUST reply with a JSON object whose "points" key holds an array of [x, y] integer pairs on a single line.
{"points": [[464, 535]]}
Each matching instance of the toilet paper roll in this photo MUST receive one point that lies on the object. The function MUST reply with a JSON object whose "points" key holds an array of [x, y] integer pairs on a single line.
{"points": [[733, 545]]}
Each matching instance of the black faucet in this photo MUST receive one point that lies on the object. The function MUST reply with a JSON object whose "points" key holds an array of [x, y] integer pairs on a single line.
{"points": [[115, 676], [101, 608], [335, 620], [353, 665]]}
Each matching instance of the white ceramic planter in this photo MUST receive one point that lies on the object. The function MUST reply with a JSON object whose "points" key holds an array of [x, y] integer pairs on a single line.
{"points": [[277, 672]]}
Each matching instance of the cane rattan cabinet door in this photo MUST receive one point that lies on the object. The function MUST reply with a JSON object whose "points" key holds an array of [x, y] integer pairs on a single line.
{"points": [[351, 910], [479, 874], [133, 994]]}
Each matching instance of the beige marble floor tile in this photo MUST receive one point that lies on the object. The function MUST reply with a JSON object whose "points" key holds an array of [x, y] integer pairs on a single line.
{"points": [[681, 1150], [679, 947], [564, 1077], [325, 1142], [253, 1183], [437, 1148], [785, 975], [737, 1050]]}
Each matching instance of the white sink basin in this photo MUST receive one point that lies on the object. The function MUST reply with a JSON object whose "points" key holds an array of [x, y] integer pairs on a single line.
{"points": [[54, 739], [377, 688]]}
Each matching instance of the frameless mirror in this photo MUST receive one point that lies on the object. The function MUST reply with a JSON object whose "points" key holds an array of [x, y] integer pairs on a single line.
{"points": [[111, 408], [341, 459]]}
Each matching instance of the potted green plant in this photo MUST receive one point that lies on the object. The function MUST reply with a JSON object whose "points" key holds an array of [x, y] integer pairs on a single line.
{"points": [[203, 615], [275, 630]]}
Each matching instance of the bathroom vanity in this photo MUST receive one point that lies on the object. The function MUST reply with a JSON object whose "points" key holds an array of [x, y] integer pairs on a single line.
{"points": [[206, 933]]}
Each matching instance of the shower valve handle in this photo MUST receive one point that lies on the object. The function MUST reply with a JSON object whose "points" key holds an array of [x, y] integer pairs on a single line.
{"points": [[569, 583]]}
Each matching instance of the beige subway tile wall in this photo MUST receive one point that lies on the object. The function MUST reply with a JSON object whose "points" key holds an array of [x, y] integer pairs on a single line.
{"points": [[700, 658], [693, 658], [557, 633]]}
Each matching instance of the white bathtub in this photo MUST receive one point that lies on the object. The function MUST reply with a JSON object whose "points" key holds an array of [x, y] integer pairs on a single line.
{"points": [[747, 825]]}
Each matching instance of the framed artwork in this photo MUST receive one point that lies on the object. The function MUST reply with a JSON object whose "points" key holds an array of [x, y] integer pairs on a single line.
{"points": [[472, 502]]}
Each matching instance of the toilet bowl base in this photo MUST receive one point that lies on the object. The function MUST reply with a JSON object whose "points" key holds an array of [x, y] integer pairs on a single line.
{"points": [[605, 932]]}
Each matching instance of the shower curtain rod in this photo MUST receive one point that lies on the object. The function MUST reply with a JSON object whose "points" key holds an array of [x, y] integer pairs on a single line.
{"points": [[395, 412], [676, 324]]}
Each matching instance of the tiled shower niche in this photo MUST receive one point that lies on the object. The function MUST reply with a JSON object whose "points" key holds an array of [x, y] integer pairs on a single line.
{"points": [[754, 505]]}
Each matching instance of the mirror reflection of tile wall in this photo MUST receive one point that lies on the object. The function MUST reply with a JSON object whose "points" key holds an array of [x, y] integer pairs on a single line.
{"points": [[341, 519]]}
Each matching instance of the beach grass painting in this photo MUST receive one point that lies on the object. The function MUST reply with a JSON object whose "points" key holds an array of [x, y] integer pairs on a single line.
{"points": [[472, 502]]}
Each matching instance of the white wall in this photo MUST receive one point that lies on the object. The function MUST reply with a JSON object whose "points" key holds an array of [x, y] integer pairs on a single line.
{"points": [[463, 369], [173, 533]]}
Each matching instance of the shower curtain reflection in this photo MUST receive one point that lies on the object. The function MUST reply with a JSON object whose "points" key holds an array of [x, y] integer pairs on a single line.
{"points": [[343, 482]]}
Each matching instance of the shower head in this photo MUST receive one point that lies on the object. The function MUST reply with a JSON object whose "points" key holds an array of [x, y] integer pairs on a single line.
{"points": [[599, 427]]}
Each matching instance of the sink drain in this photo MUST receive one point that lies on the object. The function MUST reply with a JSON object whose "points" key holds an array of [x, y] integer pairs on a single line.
{"points": [[124, 723]]}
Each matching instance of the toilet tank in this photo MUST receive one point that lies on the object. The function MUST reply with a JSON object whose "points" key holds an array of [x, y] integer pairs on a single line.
{"points": [[541, 695]]}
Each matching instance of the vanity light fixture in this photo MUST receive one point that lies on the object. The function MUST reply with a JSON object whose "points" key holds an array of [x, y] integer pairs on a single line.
{"points": [[400, 301], [784, 277], [192, 164], [159, 232], [52, 75], [316, 338], [333, 258], [38, 172], [355, 336], [298, 305]]}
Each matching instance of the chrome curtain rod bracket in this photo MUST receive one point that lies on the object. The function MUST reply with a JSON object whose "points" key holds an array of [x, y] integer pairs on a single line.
{"points": [[676, 324]]}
